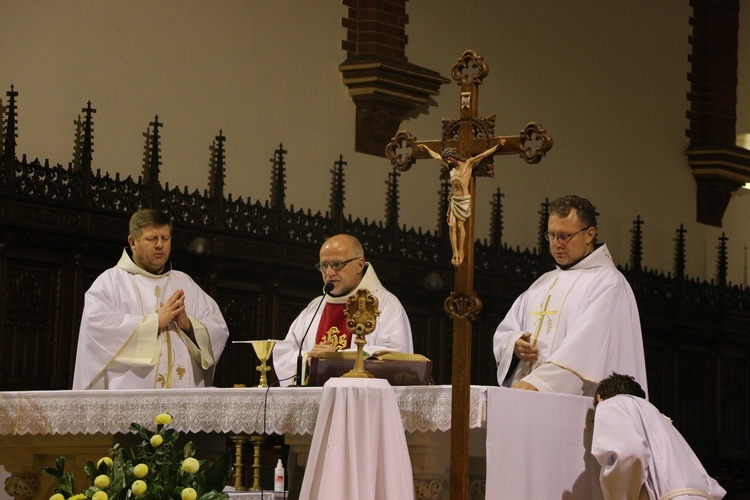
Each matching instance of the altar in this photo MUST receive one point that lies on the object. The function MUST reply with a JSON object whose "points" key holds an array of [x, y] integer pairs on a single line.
{"points": [[37, 427], [513, 434]]}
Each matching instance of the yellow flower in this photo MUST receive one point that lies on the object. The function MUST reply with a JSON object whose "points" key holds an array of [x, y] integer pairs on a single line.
{"points": [[140, 471], [190, 465], [163, 419], [156, 440], [189, 494], [106, 460], [138, 488], [101, 481], [57, 496], [80, 496], [100, 495]]}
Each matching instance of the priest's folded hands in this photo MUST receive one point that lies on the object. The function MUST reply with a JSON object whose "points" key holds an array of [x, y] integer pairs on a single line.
{"points": [[174, 310]]}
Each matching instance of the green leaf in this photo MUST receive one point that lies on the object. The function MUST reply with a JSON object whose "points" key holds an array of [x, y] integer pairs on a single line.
{"points": [[213, 495], [217, 475], [68, 483], [142, 431], [91, 471], [52, 472], [189, 450]]}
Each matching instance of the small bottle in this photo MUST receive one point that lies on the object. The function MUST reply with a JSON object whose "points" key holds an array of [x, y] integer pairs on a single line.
{"points": [[278, 484]]}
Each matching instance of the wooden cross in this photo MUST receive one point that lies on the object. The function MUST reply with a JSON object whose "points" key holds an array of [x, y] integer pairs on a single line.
{"points": [[470, 135]]}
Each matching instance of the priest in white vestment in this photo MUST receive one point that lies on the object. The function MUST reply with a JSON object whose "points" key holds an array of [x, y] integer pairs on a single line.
{"points": [[576, 324], [145, 325], [321, 326], [642, 455]]}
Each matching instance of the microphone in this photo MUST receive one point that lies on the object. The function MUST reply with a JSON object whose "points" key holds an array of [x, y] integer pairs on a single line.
{"points": [[326, 291]]}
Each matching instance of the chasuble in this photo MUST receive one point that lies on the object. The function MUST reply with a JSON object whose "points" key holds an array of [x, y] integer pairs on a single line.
{"points": [[586, 322], [392, 329], [120, 345]]}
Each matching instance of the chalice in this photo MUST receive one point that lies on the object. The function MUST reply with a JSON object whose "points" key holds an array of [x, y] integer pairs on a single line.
{"points": [[361, 312], [263, 349]]}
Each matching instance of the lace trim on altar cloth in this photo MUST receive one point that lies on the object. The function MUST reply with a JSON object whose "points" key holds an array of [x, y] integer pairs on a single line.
{"points": [[287, 410]]}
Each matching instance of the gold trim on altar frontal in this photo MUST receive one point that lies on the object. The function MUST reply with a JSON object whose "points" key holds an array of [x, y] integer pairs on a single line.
{"points": [[361, 318]]}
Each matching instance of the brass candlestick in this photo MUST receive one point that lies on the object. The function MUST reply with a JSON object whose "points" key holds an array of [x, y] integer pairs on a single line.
{"points": [[361, 313], [238, 441], [263, 349], [257, 442]]}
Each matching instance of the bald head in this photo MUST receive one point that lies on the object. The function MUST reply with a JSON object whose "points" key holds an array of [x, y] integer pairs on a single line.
{"points": [[344, 252], [344, 242]]}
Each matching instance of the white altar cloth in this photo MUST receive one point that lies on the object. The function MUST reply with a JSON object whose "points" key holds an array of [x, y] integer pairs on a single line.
{"points": [[358, 448], [285, 410], [539, 446], [38, 426]]}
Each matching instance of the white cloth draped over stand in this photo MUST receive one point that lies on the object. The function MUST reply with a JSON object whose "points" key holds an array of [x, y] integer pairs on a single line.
{"points": [[358, 448], [539, 446]]}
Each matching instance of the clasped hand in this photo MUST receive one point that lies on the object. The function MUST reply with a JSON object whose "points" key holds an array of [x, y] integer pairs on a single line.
{"points": [[174, 310]]}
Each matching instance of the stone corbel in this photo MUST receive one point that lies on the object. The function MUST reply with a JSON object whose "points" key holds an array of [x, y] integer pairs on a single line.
{"points": [[384, 91], [719, 171]]}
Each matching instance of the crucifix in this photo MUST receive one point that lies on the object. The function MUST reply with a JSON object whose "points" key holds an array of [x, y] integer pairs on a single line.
{"points": [[471, 142]]}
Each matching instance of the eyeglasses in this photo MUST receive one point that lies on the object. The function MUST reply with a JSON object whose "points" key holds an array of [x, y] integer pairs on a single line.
{"points": [[563, 238], [336, 266]]}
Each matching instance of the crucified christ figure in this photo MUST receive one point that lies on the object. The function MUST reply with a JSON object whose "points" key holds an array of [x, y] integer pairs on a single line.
{"points": [[459, 201]]}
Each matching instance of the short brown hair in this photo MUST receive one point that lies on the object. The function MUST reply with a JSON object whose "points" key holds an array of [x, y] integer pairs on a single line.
{"points": [[148, 217], [583, 207]]}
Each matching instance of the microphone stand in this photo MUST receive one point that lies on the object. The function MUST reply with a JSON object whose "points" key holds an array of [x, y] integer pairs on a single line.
{"points": [[326, 291]]}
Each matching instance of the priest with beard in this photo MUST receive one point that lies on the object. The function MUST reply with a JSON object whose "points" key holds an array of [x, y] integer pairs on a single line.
{"points": [[576, 324], [145, 325], [321, 326]]}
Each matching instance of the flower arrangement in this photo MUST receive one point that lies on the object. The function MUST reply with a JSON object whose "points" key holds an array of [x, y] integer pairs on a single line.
{"points": [[153, 470]]}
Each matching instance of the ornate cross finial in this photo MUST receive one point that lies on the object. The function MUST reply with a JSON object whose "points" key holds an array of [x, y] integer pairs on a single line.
{"points": [[470, 68]]}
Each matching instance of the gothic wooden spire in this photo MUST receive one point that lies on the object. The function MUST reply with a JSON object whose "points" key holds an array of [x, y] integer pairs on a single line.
{"points": [[9, 142], [679, 254], [636, 245], [337, 194], [216, 178], [721, 265], [496, 223], [496, 228], [392, 201], [87, 153], [278, 189], [151, 169], [442, 227], [543, 217]]}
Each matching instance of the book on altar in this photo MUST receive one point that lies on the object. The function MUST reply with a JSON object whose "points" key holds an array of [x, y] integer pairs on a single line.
{"points": [[399, 368]]}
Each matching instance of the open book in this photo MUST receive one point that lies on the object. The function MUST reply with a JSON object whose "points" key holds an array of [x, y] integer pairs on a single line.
{"points": [[379, 355], [399, 368]]}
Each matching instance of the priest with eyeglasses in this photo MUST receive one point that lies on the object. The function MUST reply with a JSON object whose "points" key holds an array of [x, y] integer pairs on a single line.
{"points": [[321, 326], [575, 324]]}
